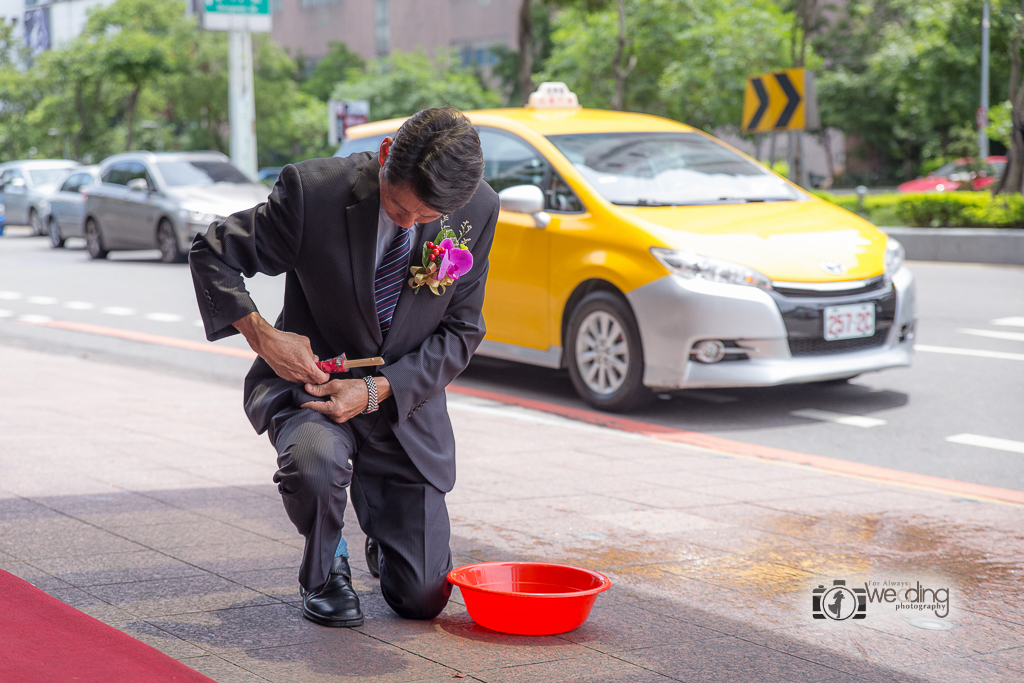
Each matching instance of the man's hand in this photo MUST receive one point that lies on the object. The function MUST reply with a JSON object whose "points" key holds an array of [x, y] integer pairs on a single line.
{"points": [[348, 397], [288, 354]]}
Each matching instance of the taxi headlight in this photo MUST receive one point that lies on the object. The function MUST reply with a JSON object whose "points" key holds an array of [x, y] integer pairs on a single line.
{"points": [[692, 266], [894, 255]]}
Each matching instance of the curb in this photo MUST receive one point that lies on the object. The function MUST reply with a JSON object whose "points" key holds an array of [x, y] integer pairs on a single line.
{"points": [[961, 245]]}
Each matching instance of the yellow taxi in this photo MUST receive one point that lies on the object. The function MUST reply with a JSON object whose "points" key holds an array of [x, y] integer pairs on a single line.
{"points": [[644, 255]]}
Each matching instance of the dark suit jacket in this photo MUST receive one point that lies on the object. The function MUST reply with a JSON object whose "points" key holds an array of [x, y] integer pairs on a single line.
{"points": [[319, 228]]}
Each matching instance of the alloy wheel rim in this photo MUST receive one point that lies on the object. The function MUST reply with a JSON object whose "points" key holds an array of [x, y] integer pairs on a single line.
{"points": [[54, 233], [92, 239], [37, 224], [602, 353], [167, 246]]}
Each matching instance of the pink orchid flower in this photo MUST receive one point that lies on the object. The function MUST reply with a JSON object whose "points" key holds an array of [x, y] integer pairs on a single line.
{"points": [[456, 262]]}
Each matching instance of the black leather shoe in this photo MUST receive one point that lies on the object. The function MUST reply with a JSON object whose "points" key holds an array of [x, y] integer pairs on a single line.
{"points": [[334, 603], [373, 557]]}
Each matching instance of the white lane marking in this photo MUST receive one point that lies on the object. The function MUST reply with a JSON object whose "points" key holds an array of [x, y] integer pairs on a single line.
{"points": [[118, 310], [994, 334], [31, 318], [9, 296], [1001, 355], [79, 305], [1015, 321], [5, 314], [987, 442], [41, 300], [163, 317], [838, 418]]}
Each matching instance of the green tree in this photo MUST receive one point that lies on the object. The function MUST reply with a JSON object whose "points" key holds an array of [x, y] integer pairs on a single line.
{"points": [[406, 82], [331, 70]]}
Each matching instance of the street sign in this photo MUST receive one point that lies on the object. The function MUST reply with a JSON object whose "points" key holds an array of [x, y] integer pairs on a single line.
{"points": [[236, 15], [780, 101], [343, 114]]}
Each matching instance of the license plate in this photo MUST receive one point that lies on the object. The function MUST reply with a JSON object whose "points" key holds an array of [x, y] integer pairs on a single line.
{"points": [[849, 322]]}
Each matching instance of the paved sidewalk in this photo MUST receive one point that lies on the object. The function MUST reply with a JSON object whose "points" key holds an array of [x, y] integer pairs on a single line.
{"points": [[145, 500]]}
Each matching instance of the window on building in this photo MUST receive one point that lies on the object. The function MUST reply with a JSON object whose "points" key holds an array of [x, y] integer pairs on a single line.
{"points": [[381, 28]]}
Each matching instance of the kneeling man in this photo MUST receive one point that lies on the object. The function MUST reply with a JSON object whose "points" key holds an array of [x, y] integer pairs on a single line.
{"points": [[345, 233]]}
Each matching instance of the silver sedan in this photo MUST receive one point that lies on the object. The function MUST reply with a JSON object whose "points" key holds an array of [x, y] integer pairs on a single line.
{"points": [[149, 200], [27, 186]]}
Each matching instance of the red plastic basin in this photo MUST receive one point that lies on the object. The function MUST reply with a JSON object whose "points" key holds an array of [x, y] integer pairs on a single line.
{"points": [[528, 598]]}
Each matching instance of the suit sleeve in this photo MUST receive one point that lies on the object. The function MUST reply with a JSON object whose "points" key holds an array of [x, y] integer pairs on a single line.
{"points": [[264, 239], [426, 372]]}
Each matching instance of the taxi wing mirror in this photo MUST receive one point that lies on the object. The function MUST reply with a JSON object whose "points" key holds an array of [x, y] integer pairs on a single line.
{"points": [[138, 184], [525, 199], [17, 182]]}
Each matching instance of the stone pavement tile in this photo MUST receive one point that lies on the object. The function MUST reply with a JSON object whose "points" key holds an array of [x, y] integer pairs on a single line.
{"points": [[738, 572], [727, 659], [613, 628], [242, 628], [119, 521], [338, 655], [1011, 658], [171, 537], [121, 502], [669, 497], [34, 575], [885, 500], [94, 570], [93, 606], [669, 474], [973, 634], [811, 485], [169, 644], [32, 539], [849, 647], [282, 584], [12, 509], [162, 597], [965, 670], [232, 557], [589, 668], [221, 670]]}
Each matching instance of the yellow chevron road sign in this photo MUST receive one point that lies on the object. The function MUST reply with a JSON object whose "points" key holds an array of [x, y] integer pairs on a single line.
{"points": [[779, 101]]}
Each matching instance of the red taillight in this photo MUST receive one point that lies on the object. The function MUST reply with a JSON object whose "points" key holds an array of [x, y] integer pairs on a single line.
{"points": [[85, 195]]}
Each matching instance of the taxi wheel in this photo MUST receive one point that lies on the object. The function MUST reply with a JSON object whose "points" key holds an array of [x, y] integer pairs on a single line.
{"points": [[56, 240], [604, 354], [36, 222]]}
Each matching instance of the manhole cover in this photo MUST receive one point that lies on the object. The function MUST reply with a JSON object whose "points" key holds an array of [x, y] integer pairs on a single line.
{"points": [[929, 624]]}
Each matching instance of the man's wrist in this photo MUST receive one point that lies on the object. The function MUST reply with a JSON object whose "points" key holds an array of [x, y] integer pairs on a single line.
{"points": [[253, 327]]}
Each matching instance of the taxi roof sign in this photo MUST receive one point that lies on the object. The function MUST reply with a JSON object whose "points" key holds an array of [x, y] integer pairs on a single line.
{"points": [[553, 95]]}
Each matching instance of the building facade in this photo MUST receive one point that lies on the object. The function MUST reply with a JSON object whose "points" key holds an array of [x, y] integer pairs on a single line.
{"points": [[374, 28], [46, 24]]}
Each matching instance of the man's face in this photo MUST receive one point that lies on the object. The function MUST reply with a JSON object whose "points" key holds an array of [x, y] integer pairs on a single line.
{"points": [[399, 201]]}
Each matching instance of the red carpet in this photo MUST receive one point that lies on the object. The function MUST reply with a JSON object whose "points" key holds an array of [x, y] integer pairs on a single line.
{"points": [[42, 640]]}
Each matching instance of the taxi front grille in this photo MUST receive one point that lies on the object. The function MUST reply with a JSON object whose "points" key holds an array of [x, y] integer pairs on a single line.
{"points": [[800, 290], [820, 347]]}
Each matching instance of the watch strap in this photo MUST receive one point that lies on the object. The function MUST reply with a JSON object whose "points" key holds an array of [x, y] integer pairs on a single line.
{"points": [[371, 399]]}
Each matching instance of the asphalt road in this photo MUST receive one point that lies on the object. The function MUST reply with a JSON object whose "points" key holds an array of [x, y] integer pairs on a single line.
{"points": [[967, 381]]}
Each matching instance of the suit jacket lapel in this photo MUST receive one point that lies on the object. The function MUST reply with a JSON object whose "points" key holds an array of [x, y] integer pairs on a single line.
{"points": [[361, 222]]}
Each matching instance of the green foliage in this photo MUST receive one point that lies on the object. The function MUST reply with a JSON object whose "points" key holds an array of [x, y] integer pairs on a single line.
{"points": [[692, 56], [781, 167], [406, 82], [999, 124], [331, 70], [904, 76], [936, 209]]}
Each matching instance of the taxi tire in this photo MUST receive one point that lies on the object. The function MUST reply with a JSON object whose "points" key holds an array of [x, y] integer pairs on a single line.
{"points": [[167, 240], [94, 240], [632, 395]]}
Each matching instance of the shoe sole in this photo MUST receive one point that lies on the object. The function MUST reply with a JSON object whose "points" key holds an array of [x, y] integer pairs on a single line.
{"points": [[332, 623]]}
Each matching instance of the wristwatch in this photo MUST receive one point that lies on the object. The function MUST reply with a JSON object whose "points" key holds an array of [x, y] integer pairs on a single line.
{"points": [[371, 399]]}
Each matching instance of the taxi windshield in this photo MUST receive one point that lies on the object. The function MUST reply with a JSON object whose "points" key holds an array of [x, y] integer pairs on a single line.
{"points": [[669, 169]]}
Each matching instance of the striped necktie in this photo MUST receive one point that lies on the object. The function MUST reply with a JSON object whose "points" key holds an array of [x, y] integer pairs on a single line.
{"points": [[391, 274]]}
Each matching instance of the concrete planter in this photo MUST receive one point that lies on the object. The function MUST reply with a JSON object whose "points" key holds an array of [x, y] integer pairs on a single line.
{"points": [[966, 245]]}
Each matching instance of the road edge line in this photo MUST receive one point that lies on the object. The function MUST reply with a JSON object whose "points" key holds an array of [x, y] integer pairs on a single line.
{"points": [[145, 337], [741, 448]]}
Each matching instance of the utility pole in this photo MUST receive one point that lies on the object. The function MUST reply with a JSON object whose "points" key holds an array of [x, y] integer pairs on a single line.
{"points": [[983, 110], [242, 102]]}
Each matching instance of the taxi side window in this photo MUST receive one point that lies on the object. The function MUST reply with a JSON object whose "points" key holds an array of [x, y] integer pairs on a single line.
{"points": [[74, 183], [119, 174], [509, 161], [367, 144]]}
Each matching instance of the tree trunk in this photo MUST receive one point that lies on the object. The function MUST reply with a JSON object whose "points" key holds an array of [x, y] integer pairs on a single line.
{"points": [[826, 143], [619, 98], [1014, 176], [133, 101], [525, 36]]}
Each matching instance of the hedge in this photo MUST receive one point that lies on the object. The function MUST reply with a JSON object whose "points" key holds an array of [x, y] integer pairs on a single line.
{"points": [[937, 209]]}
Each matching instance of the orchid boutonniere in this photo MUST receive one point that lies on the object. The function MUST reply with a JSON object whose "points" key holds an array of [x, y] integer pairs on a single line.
{"points": [[445, 260]]}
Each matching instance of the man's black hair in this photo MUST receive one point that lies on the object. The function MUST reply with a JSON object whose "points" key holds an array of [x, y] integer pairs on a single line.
{"points": [[437, 154]]}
